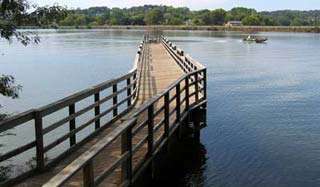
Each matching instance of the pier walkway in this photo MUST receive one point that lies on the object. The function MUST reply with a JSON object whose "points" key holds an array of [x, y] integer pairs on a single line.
{"points": [[134, 117]]}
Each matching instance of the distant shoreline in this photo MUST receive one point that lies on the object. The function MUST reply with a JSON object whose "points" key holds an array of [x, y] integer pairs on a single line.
{"points": [[303, 29]]}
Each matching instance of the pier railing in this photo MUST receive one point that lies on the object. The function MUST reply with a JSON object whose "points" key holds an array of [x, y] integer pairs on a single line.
{"points": [[186, 62], [154, 122], [109, 100]]}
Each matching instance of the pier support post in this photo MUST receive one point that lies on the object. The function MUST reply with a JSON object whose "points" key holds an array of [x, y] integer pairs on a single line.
{"points": [[196, 124]]}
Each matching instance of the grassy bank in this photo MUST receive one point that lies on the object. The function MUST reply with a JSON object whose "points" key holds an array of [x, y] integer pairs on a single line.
{"points": [[307, 29]]}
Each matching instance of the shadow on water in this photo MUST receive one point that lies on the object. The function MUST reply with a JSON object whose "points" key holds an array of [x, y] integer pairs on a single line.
{"points": [[184, 165], [185, 161]]}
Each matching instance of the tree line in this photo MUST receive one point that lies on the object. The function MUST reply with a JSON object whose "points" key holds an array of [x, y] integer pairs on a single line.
{"points": [[168, 15]]}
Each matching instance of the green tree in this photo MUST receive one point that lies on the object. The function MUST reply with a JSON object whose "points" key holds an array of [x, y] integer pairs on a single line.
{"points": [[268, 21], [153, 17], [80, 19], [218, 17], [202, 17], [118, 17], [168, 15], [7, 86], [47, 15], [298, 22], [252, 20], [239, 13], [284, 20], [69, 20], [100, 20], [137, 19], [13, 13]]}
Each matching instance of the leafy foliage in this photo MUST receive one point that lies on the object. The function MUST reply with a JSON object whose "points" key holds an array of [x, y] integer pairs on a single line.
{"points": [[168, 15], [7, 86], [14, 13], [251, 20], [154, 17], [294, 17]]}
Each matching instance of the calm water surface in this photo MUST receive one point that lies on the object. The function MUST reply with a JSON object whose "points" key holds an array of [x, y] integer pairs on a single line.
{"points": [[263, 99], [263, 109]]}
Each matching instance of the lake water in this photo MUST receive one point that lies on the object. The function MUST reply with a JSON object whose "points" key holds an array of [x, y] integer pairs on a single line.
{"points": [[263, 99]]}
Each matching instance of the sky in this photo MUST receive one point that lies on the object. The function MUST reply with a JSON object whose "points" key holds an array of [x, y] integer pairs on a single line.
{"points": [[192, 4]]}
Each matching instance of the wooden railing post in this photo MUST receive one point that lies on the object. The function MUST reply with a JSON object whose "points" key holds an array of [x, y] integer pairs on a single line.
{"points": [[187, 92], [150, 130], [166, 114], [205, 83], [178, 102], [72, 125], [115, 99], [126, 146], [196, 84], [88, 175], [97, 110], [39, 141], [129, 91]]}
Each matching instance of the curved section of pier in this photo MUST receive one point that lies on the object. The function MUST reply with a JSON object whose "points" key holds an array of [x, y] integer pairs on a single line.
{"points": [[152, 102]]}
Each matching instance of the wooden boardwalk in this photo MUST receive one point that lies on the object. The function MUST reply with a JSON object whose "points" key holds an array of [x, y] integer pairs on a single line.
{"points": [[161, 89], [158, 72]]}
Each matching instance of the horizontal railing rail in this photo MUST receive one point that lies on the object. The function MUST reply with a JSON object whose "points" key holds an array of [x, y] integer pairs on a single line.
{"points": [[151, 126], [117, 96]]}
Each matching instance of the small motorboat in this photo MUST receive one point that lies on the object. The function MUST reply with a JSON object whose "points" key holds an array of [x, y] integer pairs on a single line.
{"points": [[256, 39], [261, 39]]}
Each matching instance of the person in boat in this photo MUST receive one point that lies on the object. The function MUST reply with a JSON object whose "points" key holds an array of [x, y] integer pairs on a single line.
{"points": [[250, 38]]}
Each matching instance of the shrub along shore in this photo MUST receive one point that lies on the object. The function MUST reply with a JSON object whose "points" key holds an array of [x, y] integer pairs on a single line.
{"points": [[247, 29]]}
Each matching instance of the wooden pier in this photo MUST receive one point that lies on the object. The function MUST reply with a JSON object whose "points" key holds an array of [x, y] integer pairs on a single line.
{"points": [[134, 118]]}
